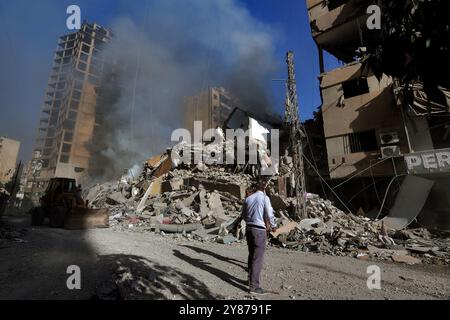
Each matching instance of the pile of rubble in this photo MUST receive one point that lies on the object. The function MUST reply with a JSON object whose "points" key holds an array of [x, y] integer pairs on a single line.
{"points": [[203, 201], [183, 201], [331, 231]]}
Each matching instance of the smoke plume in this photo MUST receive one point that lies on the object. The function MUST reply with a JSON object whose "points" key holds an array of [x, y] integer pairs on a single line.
{"points": [[178, 50]]}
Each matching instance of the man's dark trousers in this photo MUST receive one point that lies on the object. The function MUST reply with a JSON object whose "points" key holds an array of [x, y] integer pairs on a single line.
{"points": [[256, 241]]}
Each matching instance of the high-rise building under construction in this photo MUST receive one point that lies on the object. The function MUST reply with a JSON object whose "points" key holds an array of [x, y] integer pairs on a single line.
{"points": [[67, 122]]}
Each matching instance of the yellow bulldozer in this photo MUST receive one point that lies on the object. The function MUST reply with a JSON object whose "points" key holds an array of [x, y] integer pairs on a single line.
{"points": [[64, 207]]}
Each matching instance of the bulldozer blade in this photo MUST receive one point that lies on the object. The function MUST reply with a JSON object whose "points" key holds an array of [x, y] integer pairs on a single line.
{"points": [[84, 218]]}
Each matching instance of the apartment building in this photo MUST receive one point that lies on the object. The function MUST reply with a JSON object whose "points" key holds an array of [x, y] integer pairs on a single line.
{"points": [[68, 114], [211, 106], [375, 137]]}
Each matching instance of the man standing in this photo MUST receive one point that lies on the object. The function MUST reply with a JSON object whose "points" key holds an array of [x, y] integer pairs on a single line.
{"points": [[257, 212]]}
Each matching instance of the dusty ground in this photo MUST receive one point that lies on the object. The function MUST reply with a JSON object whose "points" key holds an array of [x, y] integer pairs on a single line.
{"points": [[181, 269]]}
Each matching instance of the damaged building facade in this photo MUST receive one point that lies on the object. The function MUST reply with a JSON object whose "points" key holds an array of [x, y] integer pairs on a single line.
{"points": [[387, 153], [211, 106], [9, 152], [68, 114]]}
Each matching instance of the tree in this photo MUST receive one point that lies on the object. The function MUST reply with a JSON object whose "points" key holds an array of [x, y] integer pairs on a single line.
{"points": [[413, 43]]}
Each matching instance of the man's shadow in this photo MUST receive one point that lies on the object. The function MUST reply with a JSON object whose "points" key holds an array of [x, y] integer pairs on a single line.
{"points": [[232, 261], [199, 263]]}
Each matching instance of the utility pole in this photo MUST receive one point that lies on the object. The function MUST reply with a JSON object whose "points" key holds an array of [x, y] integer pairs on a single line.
{"points": [[292, 123]]}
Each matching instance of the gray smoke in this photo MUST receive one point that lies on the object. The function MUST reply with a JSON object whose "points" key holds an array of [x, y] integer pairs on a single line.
{"points": [[181, 48]]}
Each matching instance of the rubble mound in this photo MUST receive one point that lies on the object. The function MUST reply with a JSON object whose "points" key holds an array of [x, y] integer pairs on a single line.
{"points": [[183, 204], [203, 201], [329, 230]]}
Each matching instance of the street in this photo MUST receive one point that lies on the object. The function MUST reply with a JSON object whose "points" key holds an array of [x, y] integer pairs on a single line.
{"points": [[164, 267]]}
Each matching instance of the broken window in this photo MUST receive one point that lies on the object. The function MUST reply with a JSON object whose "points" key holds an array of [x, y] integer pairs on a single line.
{"points": [[69, 125], [66, 148], [76, 94], [86, 48], [88, 30], [68, 136], [87, 39], [360, 142], [79, 75], [84, 57], [45, 163], [47, 152], [61, 85], [82, 66], [72, 115], [355, 87], [53, 121], [49, 142], [64, 159]]}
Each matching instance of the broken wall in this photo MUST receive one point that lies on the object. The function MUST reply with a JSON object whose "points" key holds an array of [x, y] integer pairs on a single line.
{"points": [[373, 111]]}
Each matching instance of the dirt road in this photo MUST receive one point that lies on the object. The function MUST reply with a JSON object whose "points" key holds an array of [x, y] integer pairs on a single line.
{"points": [[167, 268]]}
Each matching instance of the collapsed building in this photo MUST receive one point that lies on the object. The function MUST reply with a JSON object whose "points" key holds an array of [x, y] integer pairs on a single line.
{"points": [[365, 155], [211, 106], [173, 195], [364, 151], [387, 147]]}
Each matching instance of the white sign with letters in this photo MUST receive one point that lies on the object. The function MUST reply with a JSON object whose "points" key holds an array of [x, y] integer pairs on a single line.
{"points": [[433, 161]]}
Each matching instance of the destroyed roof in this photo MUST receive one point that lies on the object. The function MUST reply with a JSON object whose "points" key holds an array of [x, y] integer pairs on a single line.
{"points": [[422, 104]]}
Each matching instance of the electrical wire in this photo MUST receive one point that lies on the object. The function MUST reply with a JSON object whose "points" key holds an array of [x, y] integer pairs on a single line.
{"points": [[386, 193], [375, 185], [361, 191], [331, 189], [360, 172], [314, 159]]}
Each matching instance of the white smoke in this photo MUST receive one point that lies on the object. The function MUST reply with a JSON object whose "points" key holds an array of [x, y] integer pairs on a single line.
{"points": [[181, 48]]}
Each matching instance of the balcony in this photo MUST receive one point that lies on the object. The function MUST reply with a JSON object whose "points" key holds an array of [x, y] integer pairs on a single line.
{"points": [[336, 25]]}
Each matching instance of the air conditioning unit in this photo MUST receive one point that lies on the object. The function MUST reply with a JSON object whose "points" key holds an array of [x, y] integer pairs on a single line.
{"points": [[387, 138], [390, 151]]}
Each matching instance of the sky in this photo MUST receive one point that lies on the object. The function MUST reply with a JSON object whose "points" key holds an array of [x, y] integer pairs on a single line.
{"points": [[30, 30]]}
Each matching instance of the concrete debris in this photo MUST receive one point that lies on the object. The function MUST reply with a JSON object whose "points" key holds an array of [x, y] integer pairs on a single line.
{"points": [[227, 239], [309, 224], [115, 198], [285, 229], [331, 231], [201, 202]]}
